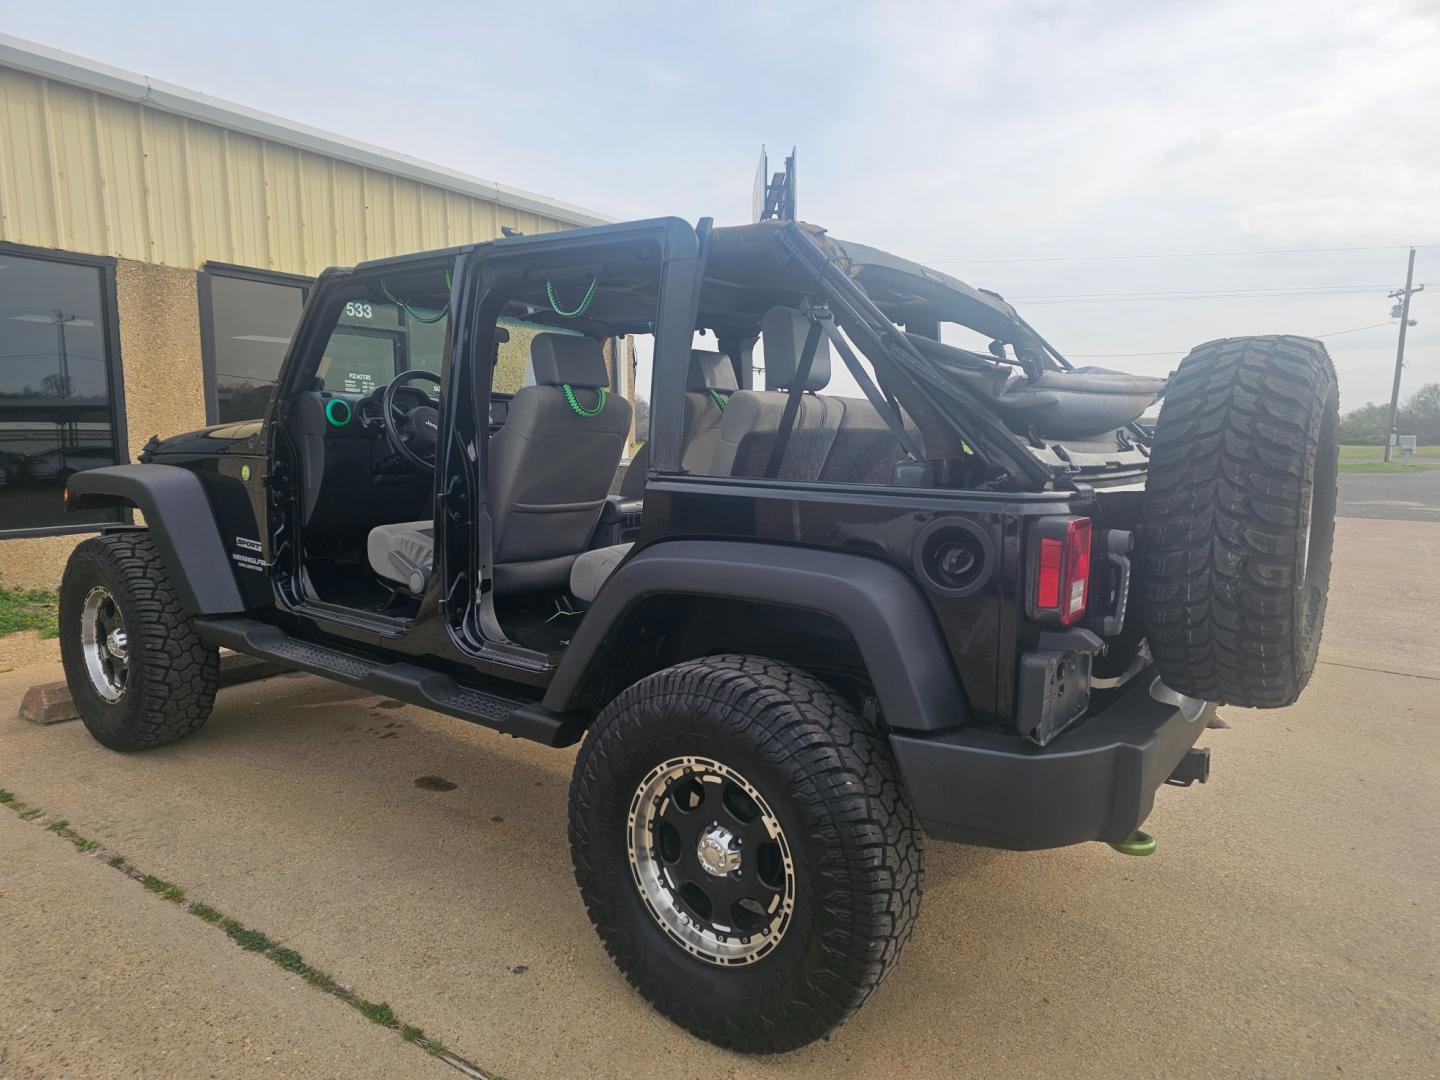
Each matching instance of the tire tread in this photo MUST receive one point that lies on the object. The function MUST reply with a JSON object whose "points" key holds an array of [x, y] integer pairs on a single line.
{"points": [[1235, 452], [178, 674], [850, 785]]}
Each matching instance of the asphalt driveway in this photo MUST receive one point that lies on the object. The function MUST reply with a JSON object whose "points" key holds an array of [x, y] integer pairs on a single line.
{"points": [[1394, 496]]}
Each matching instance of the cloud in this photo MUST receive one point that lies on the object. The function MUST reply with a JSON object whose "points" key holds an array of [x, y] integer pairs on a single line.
{"points": [[942, 131]]}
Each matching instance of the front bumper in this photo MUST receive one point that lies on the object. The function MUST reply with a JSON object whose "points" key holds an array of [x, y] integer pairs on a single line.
{"points": [[1096, 782]]}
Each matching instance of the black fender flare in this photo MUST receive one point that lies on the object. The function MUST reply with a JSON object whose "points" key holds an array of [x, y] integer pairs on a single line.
{"points": [[881, 607], [179, 517]]}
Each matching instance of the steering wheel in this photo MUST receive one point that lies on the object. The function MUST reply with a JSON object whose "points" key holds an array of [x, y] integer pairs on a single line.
{"points": [[412, 431]]}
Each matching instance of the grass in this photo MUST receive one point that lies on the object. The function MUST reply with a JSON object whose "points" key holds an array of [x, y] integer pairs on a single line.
{"points": [[1386, 467], [173, 893], [249, 939], [29, 609], [1352, 452], [203, 911], [1371, 459]]}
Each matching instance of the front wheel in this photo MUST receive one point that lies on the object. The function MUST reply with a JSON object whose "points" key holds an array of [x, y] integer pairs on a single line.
{"points": [[745, 850], [135, 666]]}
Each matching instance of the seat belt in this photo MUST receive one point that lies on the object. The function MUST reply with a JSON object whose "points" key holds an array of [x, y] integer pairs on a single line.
{"points": [[792, 403], [889, 412]]}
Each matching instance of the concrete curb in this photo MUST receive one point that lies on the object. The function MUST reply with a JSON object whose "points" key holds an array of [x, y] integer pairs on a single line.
{"points": [[50, 703]]}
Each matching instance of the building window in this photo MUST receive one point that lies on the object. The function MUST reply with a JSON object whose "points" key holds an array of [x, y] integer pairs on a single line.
{"points": [[246, 320], [59, 385]]}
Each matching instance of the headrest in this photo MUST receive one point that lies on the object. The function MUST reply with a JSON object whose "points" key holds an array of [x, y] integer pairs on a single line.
{"points": [[711, 371], [568, 358], [784, 332]]}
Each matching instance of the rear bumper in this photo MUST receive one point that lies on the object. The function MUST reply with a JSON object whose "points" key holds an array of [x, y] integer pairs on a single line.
{"points": [[1096, 782]]}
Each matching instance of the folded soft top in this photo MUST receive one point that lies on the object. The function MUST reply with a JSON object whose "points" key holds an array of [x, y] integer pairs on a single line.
{"points": [[1057, 404]]}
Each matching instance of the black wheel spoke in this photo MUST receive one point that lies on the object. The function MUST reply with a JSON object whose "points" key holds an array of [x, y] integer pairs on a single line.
{"points": [[725, 892], [753, 835], [714, 860]]}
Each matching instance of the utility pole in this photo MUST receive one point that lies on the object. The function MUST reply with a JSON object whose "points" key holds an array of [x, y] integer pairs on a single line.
{"points": [[1404, 308]]}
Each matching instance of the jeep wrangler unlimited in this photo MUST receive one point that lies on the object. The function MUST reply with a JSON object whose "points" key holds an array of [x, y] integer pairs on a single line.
{"points": [[972, 601]]}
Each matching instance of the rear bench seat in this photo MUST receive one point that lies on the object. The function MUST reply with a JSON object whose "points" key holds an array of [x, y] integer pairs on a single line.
{"points": [[708, 388], [835, 439]]}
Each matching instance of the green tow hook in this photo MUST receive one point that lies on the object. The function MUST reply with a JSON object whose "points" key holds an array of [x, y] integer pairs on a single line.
{"points": [[1137, 843]]}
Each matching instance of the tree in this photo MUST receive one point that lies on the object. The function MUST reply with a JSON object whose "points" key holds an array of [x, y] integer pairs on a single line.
{"points": [[1421, 416], [1365, 424], [642, 418], [57, 386], [1418, 416]]}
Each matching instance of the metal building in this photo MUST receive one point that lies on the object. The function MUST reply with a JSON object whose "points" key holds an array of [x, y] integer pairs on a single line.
{"points": [[156, 246]]}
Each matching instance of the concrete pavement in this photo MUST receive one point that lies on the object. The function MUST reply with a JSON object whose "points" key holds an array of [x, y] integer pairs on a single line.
{"points": [[99, 978], [1288, 926]]}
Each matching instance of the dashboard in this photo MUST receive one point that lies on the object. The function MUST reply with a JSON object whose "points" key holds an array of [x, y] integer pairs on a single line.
{"points": [[353, 478], [362, 415]]}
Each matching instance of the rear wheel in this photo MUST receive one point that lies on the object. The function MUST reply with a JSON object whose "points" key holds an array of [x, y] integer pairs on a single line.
{"points": [[1239, 519], [745, 850], [136, 668]]}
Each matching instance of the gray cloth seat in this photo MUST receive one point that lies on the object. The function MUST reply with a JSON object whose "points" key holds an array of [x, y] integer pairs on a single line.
{"points": [[752, 418], [552, 463], [707, 397], [550, 472], [591, 568], [403, 552], [708, 387]]}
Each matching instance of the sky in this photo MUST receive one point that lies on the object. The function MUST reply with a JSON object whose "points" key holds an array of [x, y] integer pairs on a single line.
{"points": [[1077, 157]]}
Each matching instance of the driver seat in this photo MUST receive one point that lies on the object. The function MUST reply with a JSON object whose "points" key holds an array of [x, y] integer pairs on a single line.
{"points": [[550, 471]]}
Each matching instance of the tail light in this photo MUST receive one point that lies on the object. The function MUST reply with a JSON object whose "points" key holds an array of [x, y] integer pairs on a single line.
{"points": [[1059, 569]]}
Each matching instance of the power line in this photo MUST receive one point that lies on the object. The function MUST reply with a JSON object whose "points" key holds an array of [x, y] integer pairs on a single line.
{"points": [[1353, 329], [1208, 294], [1175, 255], [1182, 352]]}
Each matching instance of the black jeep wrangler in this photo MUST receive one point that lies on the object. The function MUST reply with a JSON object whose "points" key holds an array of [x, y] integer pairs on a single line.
{"points": [[971, 599]]}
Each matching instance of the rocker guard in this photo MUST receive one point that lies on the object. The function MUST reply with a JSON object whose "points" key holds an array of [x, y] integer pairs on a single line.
{"points": [[1096, 782]]}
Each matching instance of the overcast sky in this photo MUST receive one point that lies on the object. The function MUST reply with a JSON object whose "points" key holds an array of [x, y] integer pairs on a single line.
{"points": [[1025, 147]]}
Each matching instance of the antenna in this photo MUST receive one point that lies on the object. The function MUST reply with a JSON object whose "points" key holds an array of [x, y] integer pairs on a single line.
{"points": [[757, 192], [774, 198]]}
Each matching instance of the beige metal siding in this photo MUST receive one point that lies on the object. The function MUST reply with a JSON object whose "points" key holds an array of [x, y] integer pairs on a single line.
{"points": [[99, 175]]}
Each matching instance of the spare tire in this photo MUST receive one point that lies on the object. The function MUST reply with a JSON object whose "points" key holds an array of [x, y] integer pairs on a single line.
{"points": [[1239, 519]]}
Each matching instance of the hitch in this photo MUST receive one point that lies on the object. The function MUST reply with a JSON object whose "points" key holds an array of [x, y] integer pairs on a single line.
{"points": [[1193, 767], [1138, 843]]}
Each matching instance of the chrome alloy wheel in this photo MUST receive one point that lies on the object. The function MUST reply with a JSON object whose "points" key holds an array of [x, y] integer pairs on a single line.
{"points": [[711, 861], [104, 644]]}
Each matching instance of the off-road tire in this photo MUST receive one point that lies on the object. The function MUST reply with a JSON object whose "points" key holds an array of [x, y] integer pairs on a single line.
{"points": [[1242, 471], [172, 675], [829, 776]]}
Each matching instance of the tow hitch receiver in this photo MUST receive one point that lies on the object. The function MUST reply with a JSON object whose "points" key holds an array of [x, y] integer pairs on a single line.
{"points": [[1194, 766], [1138, 843]]}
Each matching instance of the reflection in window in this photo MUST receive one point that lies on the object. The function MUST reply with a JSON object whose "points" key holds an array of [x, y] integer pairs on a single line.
{"points": [[375, 340], [56, 404], [251, 326], [357, 362], [512, 363]]}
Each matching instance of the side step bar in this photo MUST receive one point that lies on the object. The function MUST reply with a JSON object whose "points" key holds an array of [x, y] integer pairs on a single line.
{"points": [[410, 683]]}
